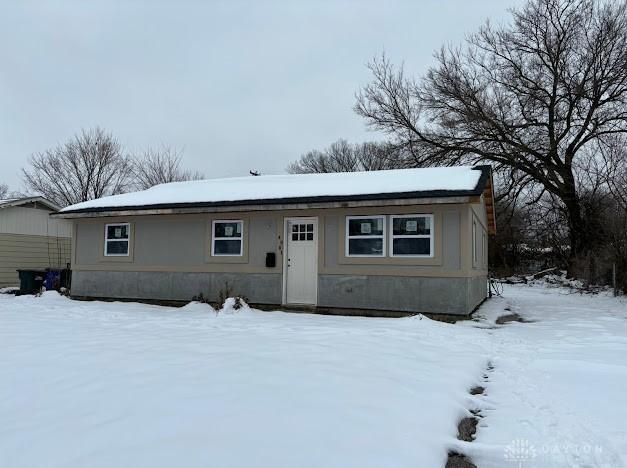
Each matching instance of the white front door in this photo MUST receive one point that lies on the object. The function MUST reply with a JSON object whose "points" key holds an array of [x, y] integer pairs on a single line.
{"points": [[301, 261]]}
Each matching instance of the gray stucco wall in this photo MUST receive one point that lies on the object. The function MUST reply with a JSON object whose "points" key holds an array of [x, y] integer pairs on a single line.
{"points": [[407, 294], [175, 286], [477, 291], [456, 296]]}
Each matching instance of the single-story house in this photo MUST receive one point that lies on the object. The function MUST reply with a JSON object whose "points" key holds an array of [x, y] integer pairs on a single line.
{"points": [[380, 243], [30, 239]]}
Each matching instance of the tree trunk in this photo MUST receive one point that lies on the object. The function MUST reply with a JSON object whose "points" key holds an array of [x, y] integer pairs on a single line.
{"points": [[577, 237]]}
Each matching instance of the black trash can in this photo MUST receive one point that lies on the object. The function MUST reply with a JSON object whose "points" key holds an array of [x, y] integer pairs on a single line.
{"points": [[31, 281]]}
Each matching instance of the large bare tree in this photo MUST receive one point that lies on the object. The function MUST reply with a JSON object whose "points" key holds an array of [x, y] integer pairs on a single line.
{"points": [[159, 166], [531, 97], [342, 156], [4, 191], [92, 164]]}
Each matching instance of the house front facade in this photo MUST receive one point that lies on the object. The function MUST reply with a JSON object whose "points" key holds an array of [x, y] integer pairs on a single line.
{"points": [[338, 243]]}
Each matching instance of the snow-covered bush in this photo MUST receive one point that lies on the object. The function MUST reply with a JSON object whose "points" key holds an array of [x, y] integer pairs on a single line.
{"points": [[227, 301], [227, 293]]}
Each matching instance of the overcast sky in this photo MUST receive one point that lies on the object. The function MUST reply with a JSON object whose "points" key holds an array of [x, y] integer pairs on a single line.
{"points": [[236, 85]]}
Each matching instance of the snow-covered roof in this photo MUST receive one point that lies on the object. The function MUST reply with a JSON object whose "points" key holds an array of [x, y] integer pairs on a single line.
{"points": [[8, 202], [300, 188]]}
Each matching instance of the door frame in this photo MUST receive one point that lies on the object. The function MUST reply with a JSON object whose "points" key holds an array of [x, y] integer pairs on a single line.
{"points": [[286, 221]]}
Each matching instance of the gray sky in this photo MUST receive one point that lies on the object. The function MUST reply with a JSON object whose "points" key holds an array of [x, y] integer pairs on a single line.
{"points": [[237, 85]]}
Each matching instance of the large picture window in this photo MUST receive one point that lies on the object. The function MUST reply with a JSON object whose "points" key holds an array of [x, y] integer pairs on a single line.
{"points": [[227, 238], [365, 236], [117, 238], [412, 235]]}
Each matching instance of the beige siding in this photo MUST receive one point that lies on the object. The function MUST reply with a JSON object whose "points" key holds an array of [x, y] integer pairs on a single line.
{"points": [[181, 243], [32, 222], [18, 251], [478, 223]]}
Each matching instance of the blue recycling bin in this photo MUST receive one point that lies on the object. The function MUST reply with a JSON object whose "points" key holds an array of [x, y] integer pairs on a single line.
{"points": [[53, 279]]}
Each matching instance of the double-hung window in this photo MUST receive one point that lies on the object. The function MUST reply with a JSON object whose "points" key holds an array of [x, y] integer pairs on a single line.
{"points": [[117, 238], [365, 236], [412, 235], [227, 238]]}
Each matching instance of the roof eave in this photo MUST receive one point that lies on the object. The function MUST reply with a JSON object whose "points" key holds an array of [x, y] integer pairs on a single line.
{"points": [[38, 199], [258, 206]]}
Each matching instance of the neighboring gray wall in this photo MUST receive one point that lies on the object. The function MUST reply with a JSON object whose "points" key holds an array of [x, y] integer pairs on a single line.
{"points": [[408, 294], [258, 288], [33, 222], [30, 252]]}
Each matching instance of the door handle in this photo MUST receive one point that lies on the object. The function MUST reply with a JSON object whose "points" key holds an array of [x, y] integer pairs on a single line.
{"points": [[288, 263]]}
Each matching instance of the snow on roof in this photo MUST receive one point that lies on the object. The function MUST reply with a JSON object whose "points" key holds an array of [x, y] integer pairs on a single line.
{"points": [[295, 186], [8, 202]]}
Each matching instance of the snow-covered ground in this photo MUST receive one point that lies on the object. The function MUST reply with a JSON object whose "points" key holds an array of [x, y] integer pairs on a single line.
{"points": [[131, 385], [557, 394]]}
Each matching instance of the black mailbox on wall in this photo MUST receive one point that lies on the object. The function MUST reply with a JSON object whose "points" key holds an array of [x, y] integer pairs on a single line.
{"points": [[270, 259]]}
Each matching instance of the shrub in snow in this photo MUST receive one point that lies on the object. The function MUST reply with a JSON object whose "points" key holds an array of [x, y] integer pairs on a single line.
{"points": [[201, 298], [227, 293], [232, 305], [227, 302]]}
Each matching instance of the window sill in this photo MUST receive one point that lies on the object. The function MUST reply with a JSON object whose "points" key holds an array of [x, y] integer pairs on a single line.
{"points": [[391, 261]]}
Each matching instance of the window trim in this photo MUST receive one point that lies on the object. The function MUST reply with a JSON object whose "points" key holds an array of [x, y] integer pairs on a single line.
{"points": [[382, 236], [107, 240], [430, 236], [214, 238]]}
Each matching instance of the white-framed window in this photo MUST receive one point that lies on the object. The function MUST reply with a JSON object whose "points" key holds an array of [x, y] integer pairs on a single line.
{"points": [[227, 238], [117, 239], [411, 235], [365, 236]]}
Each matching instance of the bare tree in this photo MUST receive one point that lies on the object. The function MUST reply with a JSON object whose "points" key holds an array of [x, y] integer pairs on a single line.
{"points": [[159, 166], [4, 191], [530, 97], [613, 153], [90, 165], [342, 156]]}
